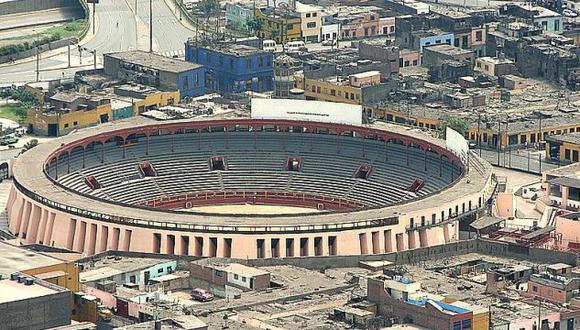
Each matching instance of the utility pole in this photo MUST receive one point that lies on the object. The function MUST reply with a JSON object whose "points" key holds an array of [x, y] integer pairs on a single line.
{"points": [[94, 14], [150, 26], [498, 139], [478, 132], [95, 59], [68, 55], [37, 58]]}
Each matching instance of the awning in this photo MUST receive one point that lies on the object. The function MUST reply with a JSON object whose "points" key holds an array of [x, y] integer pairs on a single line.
{"points": [[485, 222]]}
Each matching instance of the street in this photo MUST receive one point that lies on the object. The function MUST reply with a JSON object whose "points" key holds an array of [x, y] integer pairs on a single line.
{"points": [[117, 29]]}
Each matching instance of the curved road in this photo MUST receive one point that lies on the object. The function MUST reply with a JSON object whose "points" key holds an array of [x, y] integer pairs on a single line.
{"points": [[131, 33]]}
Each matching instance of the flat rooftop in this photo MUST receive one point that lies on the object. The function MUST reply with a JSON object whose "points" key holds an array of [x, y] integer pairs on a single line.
{"points": [[573, 138], [448, 49], [12, 291], [111, 266], [230, 48], [16, 259], [154, 61]]}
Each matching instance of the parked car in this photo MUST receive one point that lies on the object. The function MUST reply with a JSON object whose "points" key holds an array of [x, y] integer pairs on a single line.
{"points": [[329, 42], [201, 295], [294, 46], [7, 140], [269, 45], [569, 13]]}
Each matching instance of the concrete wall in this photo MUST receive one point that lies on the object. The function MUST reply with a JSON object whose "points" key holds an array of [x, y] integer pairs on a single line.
{"points": [[43, 48], [427, 253], [36, 313], [23, 6]]}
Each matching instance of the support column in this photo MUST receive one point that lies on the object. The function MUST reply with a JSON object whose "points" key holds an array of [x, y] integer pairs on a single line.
{"points": [[42, 227], [25, 219], [32, 231]]}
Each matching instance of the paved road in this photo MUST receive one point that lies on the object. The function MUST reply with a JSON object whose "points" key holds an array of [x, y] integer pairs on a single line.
{"points": [[131, 33], [169, 34]]}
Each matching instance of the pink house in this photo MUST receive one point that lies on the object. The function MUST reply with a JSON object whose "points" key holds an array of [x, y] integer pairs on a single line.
{"points": [[357, 23]]}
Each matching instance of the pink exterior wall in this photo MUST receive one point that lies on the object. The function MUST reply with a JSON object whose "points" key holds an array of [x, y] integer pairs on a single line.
{"points": [[106, 298], [505, 204], [569, 229], [529, 323], [368, 24], [35, 222]]}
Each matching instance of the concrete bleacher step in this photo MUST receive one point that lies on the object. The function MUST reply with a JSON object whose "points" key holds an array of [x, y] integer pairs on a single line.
{"points": [[221, 181]]}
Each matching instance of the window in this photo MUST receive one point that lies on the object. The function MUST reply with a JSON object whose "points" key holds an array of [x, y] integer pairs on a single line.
{"points": [[534, 288], [556, 25], [466, 324], [407, 63], [260, 61], [185, 82], [575, 159], [243, 278], [75, 123], [333, 92], [392, 29], [415, 62], [307, 14], [457, 325], [318, 89], [289, 27], [372, 17], [311, 25], [478, 36], [169, 269], [160, 270], [235, 276], [567, 154], [66, 125], [133, 279], [314, 14]]}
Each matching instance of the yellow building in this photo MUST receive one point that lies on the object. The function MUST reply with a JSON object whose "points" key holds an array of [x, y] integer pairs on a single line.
{"points": [[564, 148], [279, 25], [68, 111], [47, 268], [155, 99], [338, 89]]}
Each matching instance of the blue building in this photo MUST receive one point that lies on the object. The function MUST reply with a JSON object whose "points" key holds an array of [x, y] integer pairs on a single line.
{"points": [[232, 68], [158, 71]]}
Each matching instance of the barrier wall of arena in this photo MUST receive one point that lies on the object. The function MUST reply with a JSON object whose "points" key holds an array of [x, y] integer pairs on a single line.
{"points": [[34, 222]]}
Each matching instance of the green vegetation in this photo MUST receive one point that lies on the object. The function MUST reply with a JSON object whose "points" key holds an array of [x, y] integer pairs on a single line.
{"points": [[13, 111], [256, 24], [456, 123], [67, 30], [70, 29]]}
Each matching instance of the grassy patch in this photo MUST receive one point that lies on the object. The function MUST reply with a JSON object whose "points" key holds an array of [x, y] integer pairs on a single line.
{"points": [[13, 111], [69, 29], [62, 31]]}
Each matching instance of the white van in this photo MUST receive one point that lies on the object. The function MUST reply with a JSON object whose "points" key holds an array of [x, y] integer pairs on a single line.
{"points": [[269, 45], [294, 46]]}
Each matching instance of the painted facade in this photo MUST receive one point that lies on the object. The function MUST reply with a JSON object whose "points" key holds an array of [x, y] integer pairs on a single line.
{"points": [[233, 68]]}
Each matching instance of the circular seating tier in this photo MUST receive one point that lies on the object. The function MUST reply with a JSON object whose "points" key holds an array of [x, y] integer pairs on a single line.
{"points": [[256, 162]]}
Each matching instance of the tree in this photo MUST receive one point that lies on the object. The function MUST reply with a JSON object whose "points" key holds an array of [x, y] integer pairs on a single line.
{"points": [[210, 8], [459, 124], [255, 25], [274, 33]]}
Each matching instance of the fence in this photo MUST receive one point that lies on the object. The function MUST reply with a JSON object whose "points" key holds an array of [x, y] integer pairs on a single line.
{"points": [[526, 160]]}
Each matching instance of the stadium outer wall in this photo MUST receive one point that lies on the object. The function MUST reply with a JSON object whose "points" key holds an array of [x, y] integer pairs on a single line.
{"points": [[34, 218]]}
